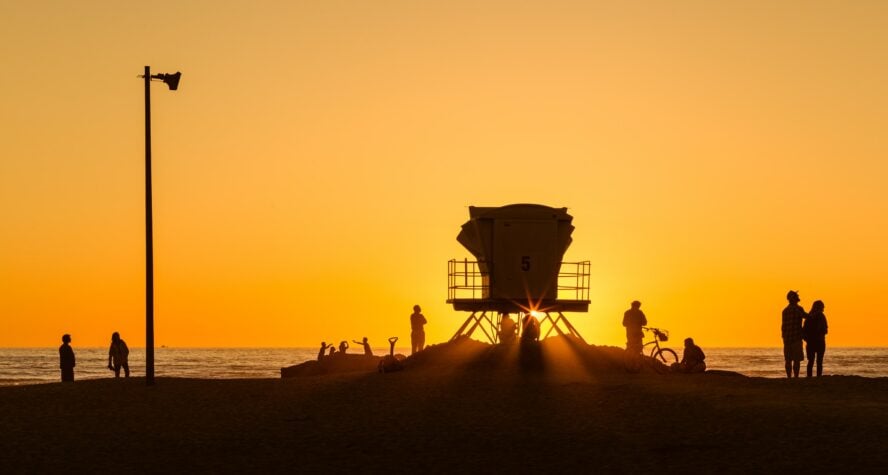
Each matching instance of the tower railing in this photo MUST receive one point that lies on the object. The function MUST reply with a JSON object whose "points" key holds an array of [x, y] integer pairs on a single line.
{"points": [[470, 280], [573, 281], [466, 280]]}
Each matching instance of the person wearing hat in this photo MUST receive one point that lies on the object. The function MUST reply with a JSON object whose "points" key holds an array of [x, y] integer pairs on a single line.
{"points": [[791, 331]]}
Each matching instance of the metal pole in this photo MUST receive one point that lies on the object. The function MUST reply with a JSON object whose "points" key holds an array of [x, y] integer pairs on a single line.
{"points": [[149, 241]]}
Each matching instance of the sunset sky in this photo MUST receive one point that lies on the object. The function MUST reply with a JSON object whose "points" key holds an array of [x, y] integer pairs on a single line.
{"points": [[315, 166]]}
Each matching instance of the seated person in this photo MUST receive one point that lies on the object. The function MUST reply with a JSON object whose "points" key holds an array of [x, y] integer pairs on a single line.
{"points": [[531, 330], [507, 329], [691, 359]]}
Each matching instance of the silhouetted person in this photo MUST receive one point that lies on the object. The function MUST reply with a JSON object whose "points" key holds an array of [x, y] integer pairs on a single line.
{"points": [[791, 330], [66, 359], [366, 345], [634, 320], [417, 330], [531, 328], [814, 333], [332, 350], [691, 359], [118, 355], [391, 362], [343, 347], [322, 351], [508, 329]]}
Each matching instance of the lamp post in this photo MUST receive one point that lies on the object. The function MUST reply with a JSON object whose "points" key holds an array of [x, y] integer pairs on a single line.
{"points": [[171, 80]]}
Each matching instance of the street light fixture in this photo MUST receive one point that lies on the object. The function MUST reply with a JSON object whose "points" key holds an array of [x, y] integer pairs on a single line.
{"points": [[171, 80]]}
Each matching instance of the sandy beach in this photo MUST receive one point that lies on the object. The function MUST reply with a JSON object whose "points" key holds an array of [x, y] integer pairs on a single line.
{"points": [[466, 411]]}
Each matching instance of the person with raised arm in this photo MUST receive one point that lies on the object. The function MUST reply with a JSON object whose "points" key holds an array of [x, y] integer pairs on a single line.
{"points": [[364, 343], [323, 351]]}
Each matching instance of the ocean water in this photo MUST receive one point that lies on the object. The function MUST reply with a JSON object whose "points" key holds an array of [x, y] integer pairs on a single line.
{"points": [[41, 365], [768, 362]]}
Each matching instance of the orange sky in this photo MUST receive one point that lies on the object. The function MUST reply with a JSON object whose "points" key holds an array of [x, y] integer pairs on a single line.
{"points": [[313, 170]]}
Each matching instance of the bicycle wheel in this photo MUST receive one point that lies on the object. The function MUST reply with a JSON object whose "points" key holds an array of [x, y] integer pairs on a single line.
{"points": [[654, 351], [667, 356]]}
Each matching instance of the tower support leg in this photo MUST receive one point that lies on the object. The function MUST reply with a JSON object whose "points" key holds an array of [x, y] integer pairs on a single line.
{"points": [[556, 325], [463, 326], [475, 322]]}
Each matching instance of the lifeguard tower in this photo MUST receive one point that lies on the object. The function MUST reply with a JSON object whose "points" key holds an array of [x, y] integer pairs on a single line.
{"points": [[518, 269]]}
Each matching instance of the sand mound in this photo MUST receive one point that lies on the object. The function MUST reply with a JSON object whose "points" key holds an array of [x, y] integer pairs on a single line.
{"points": [[560, 353], [337, 363], [556, 354]]}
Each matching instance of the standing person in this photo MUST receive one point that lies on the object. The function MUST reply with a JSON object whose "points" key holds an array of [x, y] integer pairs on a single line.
{"points": [[66, 359], [634, 320], [366, 344], [814, 333], [417, 330], [118, 355], [343, 347], [791, 331]]}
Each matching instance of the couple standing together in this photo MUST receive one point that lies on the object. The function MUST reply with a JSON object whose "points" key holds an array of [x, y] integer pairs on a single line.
{"points": [[813, 331]]}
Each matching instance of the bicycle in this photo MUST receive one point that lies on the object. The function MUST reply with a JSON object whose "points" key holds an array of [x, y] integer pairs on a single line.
{"points": [[660, 358], [665, 355]]}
